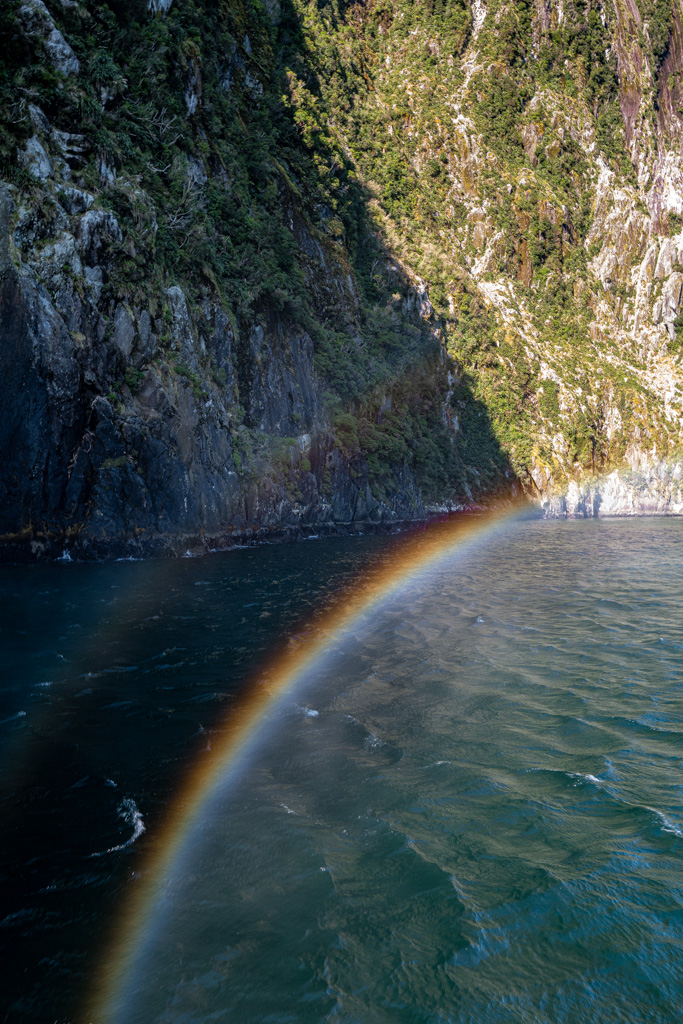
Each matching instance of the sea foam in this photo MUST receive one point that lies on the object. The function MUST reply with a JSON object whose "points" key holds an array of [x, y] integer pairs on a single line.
{"points": [[129, 811]]}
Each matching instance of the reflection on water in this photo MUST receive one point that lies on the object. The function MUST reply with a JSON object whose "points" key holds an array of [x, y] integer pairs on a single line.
{"points": [[469, 811]]}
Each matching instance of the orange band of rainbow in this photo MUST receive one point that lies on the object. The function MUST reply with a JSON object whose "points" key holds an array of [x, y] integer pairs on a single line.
{"points": [[405, 561]]}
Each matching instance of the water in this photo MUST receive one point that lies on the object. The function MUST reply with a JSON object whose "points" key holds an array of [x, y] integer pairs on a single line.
{"points": [[482, 822]]}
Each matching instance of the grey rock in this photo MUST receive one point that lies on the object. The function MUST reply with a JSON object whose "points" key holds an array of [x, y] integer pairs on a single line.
{"points": [[273, 10], [124, 331], [182, 334], [94, 282], [227, 72], [97, 229], [668, 256], [671, 296], [32, 228], [73, 147], [283, 392], [196, 174], [38, 119], [252, 84], [107, 172], [35, 159], [58, 258], [75, 200], [159, 6], [37, 23], [193, 92], [146, 345]]}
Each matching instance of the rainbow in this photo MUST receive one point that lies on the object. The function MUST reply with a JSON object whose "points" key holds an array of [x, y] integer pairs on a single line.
{"points": [[408, 559]]}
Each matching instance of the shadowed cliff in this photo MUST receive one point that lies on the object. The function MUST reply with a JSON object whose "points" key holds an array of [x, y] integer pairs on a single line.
{"points": [[205, 334]]}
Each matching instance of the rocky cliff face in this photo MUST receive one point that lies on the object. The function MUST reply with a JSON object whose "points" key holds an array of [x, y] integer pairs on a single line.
{"points": [[190, 355], [541, 198], [208, 433], [271, 267]]}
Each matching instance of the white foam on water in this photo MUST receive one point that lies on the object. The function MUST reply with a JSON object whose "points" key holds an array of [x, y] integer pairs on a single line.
{"points": [[12, 718], [586, 778], [308, 712], [666, 824], [110, 782], [583, 777], [129, 811], [373, 742]]}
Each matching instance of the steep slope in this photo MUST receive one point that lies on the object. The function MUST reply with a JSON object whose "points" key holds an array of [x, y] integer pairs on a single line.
{"points": [[195, 342], [271, 267], [525, 160]]}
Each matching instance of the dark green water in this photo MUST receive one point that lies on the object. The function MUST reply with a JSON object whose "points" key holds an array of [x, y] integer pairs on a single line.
{"points": [[483, 822]]}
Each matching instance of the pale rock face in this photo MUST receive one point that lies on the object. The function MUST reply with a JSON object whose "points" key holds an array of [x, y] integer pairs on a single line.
{"points": [[531, 136], [617, 498], [35, 159], [182, 334], [73, 147], [418, 299], [196, 173], [668, 256], [38, 119], [159, 6], [94, 282], [147, 341], [652, 487], [37, 21], [671, 297], [478, 16], [540, 478], [75, 200], [193, 93], [273, 11], [252, 84], [96, 229], [107, 173], [124, 331]]}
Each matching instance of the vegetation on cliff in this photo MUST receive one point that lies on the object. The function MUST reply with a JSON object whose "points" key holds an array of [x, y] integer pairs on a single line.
{"points": [[472, 213]]}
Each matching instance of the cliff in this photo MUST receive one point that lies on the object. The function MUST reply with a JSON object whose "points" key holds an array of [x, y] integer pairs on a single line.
{"points": [[270, 268], [193, 346], [525, 160]]}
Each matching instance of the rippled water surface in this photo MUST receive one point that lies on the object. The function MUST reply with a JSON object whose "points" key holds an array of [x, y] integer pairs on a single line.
{"points": [[470, 810]]}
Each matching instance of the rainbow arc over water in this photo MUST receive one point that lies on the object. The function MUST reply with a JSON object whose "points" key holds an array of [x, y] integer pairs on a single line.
{"points": [[411, 556]]}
